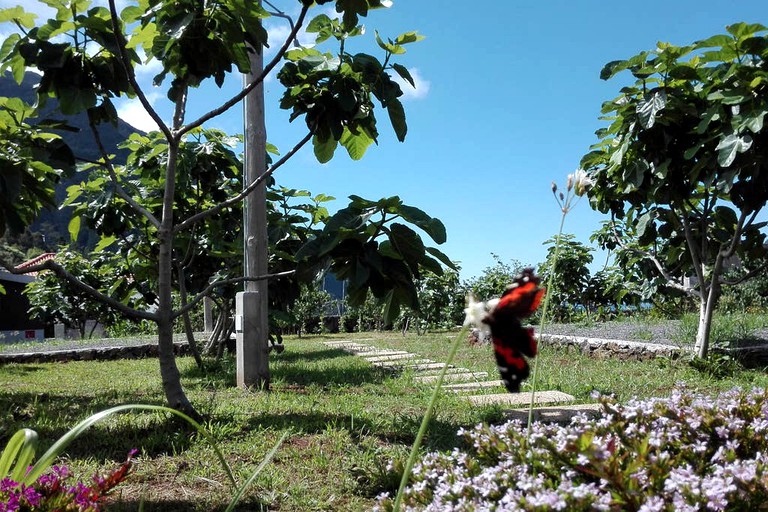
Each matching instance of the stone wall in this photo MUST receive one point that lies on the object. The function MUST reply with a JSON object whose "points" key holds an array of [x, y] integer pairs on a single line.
{"points": [[614, 349], [91, 354]]}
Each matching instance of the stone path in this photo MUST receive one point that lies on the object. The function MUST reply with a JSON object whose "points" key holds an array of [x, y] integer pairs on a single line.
{"points": [[551, 406]]}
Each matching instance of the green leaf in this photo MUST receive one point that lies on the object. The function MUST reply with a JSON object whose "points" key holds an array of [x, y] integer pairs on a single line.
{"points": [[18, 15], [404, 74], [355, 143], [319, 23], [105, 242], [74, 228], [397, 118], [730, 146], [741, 30], [650, 106], [18, 454], [431, 226], [445, 260], [409, 37], [390, 47], [408, 244], [324, 150]]}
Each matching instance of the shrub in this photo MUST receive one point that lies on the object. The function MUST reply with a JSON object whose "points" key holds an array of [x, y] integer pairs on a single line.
{"points": [[686, 452], [54, 491]]}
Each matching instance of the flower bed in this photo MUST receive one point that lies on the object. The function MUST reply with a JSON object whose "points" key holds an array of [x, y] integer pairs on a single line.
{"points": [[686, 452]]}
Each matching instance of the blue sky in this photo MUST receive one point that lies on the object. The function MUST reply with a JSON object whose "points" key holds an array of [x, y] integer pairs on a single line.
{"points": [[508, 100]]}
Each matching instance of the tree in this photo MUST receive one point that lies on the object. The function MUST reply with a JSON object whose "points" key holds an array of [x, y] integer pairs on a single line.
{"points": [[682, 167], [88, 55], [571, 274], [494, 279], [53, 299]]}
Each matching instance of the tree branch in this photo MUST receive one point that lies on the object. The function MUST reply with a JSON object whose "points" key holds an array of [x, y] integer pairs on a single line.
{"points": [[281, 14], [749, 275], [224, 282], [74, 281], [671, 281], [129, 71], [190, 221], [107, 164], [250, 86]]}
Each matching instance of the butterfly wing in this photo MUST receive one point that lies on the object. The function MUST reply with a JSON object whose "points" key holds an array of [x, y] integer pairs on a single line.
{"points": [[512, 341], [509, 351]]}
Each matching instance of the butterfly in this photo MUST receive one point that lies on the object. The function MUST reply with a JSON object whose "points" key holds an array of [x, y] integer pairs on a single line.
{"points": [[512, 341]]}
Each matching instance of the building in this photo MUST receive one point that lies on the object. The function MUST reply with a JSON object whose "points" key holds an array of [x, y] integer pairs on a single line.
{"points": [[15, 324]]}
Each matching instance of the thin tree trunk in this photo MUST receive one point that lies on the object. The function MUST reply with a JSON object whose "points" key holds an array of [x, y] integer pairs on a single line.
{"points": [[169, 371], [185, 318], [709, 297]]}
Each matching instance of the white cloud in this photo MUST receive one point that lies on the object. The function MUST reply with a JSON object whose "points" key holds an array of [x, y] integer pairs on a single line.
{"points": [[409, 92], [132, 112]]}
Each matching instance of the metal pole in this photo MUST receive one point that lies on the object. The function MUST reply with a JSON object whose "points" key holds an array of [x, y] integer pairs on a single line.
{"points": [[251, 322]]}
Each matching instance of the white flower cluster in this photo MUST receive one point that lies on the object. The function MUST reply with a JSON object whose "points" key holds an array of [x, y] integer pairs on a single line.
{"points": [[476, 311], [687, 452]]}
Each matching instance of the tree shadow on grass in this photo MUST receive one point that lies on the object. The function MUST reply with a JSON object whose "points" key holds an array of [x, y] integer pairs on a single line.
{"points": [[53, 415], [21, 370], [291, 371], [441, 435]]}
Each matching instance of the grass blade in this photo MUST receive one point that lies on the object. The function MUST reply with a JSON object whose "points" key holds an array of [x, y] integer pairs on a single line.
{"points": [[45, 461], [255, 473], [20, 448]]}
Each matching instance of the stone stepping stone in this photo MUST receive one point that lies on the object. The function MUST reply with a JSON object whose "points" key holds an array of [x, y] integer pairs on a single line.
{"points": [[521, 399], [345, 342], [403, 363], [561, 414], [426, 366], [472, 386], [451, 377], [373, 352], [450, 369], [392, 356], [358, 349]]}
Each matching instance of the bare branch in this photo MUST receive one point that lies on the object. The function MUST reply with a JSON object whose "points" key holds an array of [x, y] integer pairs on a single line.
{"points": [[281, 14], [224, 282], [250, 86], [132, 76], [74, 281], [250, 188]]}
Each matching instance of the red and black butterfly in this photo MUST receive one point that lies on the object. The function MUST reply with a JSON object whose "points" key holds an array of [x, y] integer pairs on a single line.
{"points": [[512, 341]]}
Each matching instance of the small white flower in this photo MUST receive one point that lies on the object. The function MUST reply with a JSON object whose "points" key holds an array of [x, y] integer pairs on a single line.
{"points": [[474, 312], [581, 182]]}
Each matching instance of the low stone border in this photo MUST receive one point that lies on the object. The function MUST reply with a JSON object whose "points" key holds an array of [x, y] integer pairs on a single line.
{"points": [[91, 354], [616, 349]]}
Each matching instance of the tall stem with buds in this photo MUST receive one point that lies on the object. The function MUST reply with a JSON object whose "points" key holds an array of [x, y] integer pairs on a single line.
{"points": [[577, 184]]}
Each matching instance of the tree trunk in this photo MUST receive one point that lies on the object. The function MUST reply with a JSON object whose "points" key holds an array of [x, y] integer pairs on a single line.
{"points": [[169, 371], [707, 304], [185, 318]]}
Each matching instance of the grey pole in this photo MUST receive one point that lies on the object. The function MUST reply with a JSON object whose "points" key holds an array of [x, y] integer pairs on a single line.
{"points": [[251, 320]]}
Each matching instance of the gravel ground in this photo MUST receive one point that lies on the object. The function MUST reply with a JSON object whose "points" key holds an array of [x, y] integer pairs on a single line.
{"points": [[668, 332], [55, 345]]}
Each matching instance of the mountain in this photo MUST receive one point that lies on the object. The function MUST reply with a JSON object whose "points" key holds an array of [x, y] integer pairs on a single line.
{"points": [[53, 224]]}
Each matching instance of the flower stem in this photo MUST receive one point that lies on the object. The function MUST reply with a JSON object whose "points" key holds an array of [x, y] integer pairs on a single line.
{"points": [[544, 310], [425, 421]]}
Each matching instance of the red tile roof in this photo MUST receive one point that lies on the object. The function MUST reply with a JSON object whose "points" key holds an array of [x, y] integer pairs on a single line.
{"points": [[36, 261]]}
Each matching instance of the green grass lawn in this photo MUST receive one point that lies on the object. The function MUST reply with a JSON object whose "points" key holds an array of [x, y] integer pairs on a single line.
{"points": [[346, 419]]}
